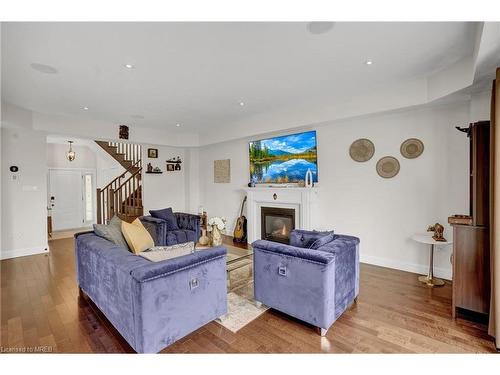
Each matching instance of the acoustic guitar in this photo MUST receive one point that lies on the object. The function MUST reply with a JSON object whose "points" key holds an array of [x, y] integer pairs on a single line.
{"points": [[240, 230]]}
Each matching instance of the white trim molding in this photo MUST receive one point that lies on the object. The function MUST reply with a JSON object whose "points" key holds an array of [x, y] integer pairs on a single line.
{"points": [[8, 254], [421, 269], [300, 199]]}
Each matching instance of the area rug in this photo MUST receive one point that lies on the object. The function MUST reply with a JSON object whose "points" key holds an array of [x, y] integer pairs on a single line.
{"points": [[241, 311]]}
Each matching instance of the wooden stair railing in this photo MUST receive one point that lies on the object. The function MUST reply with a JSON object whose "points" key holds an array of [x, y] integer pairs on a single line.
{"points": [[127, 154], [122, 196]]}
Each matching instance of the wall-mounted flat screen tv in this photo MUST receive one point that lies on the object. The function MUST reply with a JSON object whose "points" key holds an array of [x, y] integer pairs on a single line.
{"points": [[283, 160]]}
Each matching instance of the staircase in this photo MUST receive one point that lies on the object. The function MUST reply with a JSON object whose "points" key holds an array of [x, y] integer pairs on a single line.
{"points": [[122, 196]]}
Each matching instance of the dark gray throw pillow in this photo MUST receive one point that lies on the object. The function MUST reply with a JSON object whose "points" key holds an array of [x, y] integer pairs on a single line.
{"points": [[167, 215], [322, 241], [112, 232], [305, 238]]}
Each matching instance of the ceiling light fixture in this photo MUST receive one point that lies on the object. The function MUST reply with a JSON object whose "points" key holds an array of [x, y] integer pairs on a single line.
{"points": [[85, 108], [242, 104], [129, 66], [42, 68], [70, 155], [319, 27], [369, 62], [177, 125]]}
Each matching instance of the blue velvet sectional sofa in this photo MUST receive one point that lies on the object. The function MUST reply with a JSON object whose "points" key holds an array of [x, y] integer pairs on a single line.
{"points": [[314, 279], [185, 228], [151, 304]]}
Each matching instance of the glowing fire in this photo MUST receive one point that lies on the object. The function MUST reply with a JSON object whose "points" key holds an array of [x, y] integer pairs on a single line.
{"points": [[284, 231]]}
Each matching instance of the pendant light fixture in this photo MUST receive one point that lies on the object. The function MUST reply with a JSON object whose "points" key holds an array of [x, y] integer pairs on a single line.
{"points": [[70, 155]]}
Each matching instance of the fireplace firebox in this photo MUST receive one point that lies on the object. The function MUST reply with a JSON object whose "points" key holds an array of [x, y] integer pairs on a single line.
{"points": [[276, 223]]}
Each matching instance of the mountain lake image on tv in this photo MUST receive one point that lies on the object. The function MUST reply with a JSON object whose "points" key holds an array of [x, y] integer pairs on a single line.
{"points": [[285, 159]]}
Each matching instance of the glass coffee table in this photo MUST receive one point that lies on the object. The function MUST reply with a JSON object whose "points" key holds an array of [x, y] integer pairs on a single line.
{"points": [[239, 265]]}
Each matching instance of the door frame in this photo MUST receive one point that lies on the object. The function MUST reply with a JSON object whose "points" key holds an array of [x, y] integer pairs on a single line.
{"points": [[82, 171]]}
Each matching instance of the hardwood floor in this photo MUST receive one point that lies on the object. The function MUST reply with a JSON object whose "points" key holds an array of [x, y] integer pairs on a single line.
{"points": [[41, 309]]}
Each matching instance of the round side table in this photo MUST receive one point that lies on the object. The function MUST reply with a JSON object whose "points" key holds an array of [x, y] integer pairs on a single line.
{"points": [[427, 239]]}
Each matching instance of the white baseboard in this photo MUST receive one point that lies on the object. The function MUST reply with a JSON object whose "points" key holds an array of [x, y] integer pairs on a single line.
{"points": [[23, 252], [403, 266]]}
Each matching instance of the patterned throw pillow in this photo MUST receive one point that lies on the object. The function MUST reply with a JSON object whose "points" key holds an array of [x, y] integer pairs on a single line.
{"points": [[167, 215], [159, 253], [112, 232], [137, 237]]}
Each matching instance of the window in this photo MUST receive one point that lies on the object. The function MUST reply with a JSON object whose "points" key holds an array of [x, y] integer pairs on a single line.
{"points": [[88, 197]]}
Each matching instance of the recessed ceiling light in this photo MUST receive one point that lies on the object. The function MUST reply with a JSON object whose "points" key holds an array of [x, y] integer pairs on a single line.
{"points": [[44, 68], [177, 125], [320, 27], [129, 66], [242, 104], [369, 62], [85, 108]]}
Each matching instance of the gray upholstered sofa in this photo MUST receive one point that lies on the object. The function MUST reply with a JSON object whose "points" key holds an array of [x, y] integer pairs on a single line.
{"points": [[151, 304], [314, 279]]}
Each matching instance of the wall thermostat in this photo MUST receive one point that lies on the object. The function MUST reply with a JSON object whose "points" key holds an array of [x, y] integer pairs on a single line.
{"points": [[14, 168]]}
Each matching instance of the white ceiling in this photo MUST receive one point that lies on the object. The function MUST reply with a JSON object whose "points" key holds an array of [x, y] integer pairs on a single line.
{"points": [[196, 74]]}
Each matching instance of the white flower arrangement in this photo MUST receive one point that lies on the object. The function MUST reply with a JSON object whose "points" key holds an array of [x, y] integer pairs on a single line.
{"points": [[220, 222]]}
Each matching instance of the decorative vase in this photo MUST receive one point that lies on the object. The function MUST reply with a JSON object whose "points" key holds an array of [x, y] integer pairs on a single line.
{"points": [[204, 240], [216, 236]]}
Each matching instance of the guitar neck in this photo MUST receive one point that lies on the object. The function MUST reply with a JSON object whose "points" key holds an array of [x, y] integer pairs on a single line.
{"points": [[242, 205]]}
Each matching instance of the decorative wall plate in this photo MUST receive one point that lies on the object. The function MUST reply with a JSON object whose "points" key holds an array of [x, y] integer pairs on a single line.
{"points": [[361, 150], [388, 167], [412, 148]]}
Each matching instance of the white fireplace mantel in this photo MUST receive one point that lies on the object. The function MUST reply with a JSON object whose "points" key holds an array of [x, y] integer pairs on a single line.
{"points": [[302, 200]]}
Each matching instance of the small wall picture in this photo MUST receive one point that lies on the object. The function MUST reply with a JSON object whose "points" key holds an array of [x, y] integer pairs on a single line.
{"points": [[222, 171], [170, 167], [123, 134], [152, 153]]}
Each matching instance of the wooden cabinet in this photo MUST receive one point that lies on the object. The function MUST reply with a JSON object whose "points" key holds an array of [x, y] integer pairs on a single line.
{"points": [[471, 268], [471, 243]]}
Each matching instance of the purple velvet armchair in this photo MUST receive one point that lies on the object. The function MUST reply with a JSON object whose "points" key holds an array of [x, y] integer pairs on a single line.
{"points": [[151, 304], [314, 279]]}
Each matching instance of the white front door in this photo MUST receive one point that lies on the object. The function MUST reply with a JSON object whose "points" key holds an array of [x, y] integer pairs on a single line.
{"points": [[71, 198]]}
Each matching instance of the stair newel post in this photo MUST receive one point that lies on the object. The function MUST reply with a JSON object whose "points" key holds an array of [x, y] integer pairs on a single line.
{"points": [[111, 202], [134, 192], [99, 206], [120, 199]]}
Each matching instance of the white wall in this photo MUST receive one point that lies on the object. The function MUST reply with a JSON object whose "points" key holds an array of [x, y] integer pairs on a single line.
{"points": [[384, 213], [167, 189], [24, 208], [56, 157], [224, 199]]}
